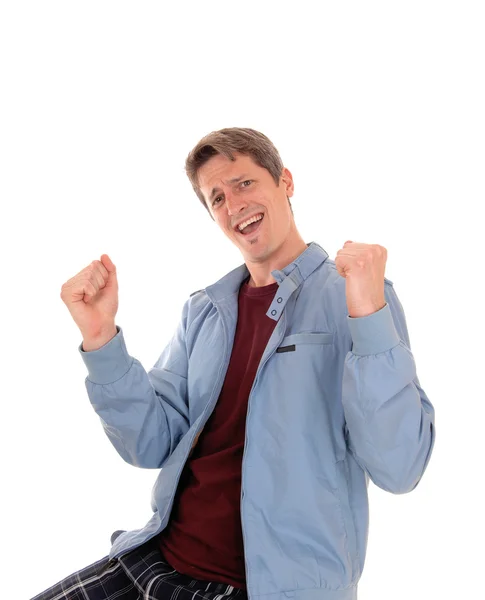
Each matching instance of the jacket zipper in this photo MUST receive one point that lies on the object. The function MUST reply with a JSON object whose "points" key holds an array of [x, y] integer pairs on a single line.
{"points": [[283, 316], [260, 367]]}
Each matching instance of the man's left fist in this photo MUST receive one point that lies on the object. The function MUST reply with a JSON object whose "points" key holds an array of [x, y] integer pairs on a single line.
{"points": [[363, 266]]}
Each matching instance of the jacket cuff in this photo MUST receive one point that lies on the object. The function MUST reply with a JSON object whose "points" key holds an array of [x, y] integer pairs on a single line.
{"points": [[108, 363], [374, 333]]}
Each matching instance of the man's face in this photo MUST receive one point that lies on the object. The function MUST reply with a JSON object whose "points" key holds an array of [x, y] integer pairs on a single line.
{"points": [[231, 203]]}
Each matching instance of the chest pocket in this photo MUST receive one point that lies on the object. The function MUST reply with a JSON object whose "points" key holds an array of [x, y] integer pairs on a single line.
{"points": [[291, 342]]}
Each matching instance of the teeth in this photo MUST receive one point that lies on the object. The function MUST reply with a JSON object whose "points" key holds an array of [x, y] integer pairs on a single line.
{"points": [[249, 221]]}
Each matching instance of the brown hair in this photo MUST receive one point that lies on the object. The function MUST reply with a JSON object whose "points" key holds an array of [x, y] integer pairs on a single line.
{"points": [[227, 141]]}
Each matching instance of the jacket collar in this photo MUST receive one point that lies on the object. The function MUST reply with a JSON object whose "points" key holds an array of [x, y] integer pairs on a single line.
{"points": [[297, 271]]}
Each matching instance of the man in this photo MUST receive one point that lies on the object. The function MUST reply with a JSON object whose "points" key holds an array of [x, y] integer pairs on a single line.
{"points": [[287, 385]]}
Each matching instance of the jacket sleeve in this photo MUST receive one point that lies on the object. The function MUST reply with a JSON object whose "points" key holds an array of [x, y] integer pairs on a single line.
{"points": [[143, 414], [390, 422]]}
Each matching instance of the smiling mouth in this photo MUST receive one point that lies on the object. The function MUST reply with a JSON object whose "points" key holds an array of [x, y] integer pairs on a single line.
{"points": [[250, 229]]}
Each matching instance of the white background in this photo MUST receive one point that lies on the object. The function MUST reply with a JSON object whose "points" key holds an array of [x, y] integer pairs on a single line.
{"points": [[377, 109]]}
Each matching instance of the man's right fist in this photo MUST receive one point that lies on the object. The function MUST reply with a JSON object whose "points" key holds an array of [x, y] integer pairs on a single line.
{"points": [[91, 297]]}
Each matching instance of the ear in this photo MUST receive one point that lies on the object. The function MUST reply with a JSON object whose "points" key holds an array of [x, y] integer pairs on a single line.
{"points": [[287, 179]]}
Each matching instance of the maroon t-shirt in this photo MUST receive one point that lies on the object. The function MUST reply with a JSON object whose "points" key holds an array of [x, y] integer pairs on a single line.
{"points": [[203, 538]]}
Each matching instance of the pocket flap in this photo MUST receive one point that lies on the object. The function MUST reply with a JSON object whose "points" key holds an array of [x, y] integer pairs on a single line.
{"points": [[307, 338]]}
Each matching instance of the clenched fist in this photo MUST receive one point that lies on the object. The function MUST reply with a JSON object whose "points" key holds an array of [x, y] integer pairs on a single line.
{"points": [[91, 297], [362, 266]]}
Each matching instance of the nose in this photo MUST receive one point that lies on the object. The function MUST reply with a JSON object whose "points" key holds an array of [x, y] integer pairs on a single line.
{"points": [[235, 204]]}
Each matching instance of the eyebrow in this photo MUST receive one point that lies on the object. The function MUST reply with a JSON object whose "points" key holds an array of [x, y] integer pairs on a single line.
{"points": [[228, 182]]}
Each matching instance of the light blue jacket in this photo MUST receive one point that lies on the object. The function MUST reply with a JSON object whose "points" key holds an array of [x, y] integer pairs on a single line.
{"points": [[342, 407]]}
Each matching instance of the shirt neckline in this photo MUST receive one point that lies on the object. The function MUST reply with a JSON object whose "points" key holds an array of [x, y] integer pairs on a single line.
{"points": [[264, 290]]}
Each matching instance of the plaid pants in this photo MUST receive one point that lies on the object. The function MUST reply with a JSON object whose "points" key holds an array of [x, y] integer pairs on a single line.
{"points": [[142, 574]]}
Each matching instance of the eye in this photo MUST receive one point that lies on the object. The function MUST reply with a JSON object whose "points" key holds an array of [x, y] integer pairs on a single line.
{"points": [[247, 181]]}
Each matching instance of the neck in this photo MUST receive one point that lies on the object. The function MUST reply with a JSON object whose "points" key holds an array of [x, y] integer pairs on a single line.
{"points": [[283, 256]]}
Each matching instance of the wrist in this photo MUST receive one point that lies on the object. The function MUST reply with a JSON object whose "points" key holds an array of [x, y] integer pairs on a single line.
{"points": [[91, 343]]}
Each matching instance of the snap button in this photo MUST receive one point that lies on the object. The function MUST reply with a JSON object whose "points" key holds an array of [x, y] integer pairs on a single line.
{"points": [[273, 312], [279, 300]]}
